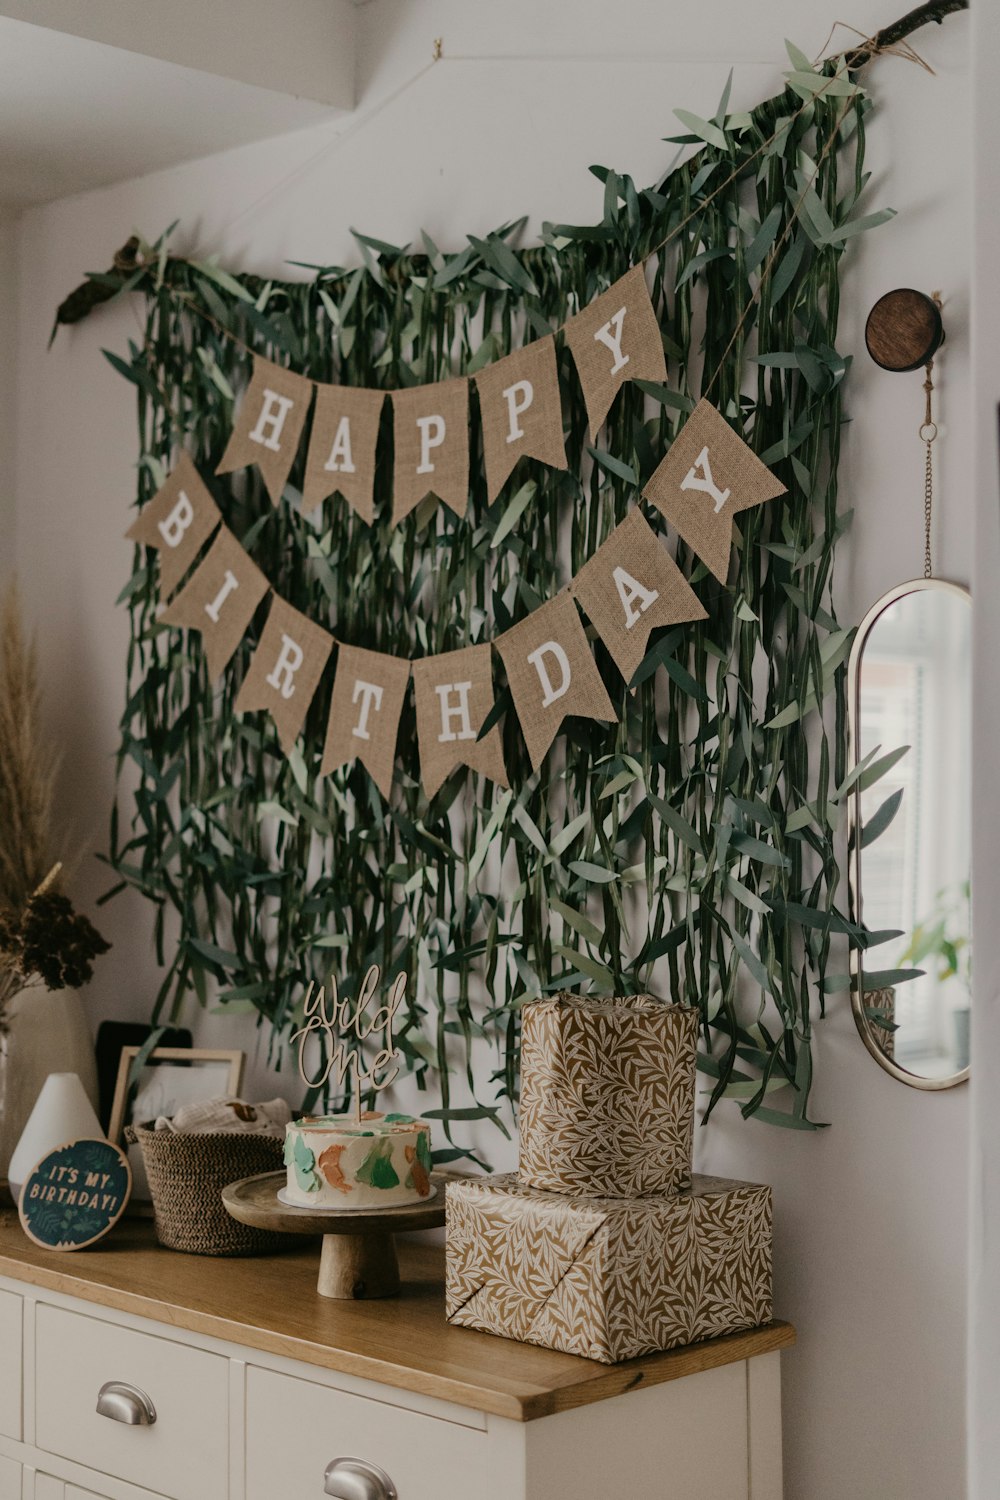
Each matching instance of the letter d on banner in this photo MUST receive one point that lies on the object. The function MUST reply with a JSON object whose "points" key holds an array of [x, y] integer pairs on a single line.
{"points": [[285, 670], [552, 674]]}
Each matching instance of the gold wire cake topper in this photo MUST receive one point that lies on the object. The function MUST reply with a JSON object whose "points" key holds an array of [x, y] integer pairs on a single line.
{"points": [[334, 1021]]}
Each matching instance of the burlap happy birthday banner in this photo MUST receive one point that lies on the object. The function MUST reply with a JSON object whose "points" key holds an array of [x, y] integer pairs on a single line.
{"points": [[708, 477], [268, 425]]}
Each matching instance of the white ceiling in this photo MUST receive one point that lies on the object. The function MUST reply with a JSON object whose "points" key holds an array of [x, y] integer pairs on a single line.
{"points": [[77, 114]]}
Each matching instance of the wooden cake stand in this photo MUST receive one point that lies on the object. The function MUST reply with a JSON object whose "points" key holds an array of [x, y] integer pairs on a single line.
{"points": [[359, 1250]]}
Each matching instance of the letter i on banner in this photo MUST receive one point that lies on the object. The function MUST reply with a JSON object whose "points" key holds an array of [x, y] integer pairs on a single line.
{"points": [[368, 694], [521, 410], [342, 448], [285, 670], [430, 428], [454, 694], [268, 425], [219, 599], [178, 521], [708, 476], [616, 338], [552, 674], [630, 587]]}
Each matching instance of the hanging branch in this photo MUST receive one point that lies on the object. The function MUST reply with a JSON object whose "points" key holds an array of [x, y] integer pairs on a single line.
{"points": [[891, 36]]}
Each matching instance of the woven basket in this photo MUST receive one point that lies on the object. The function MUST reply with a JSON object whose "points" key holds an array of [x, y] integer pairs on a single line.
{"points": [[187, 1173]]}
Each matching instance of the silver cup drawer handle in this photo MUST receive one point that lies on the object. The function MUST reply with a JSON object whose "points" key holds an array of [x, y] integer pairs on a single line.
{"points": [[125, 1403], [356, 1479]]}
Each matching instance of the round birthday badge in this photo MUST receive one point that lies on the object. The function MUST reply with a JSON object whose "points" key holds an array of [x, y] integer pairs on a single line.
{"points": [[75, 1195]]}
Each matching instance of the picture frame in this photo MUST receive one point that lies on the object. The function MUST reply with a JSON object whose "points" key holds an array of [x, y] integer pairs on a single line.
{"points": [[183, 1075]]}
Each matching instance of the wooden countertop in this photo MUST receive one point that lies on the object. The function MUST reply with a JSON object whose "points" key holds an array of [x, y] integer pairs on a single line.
{"points": [[271, 1303]]}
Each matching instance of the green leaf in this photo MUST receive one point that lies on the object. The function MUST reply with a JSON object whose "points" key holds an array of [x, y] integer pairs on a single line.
{"points": [[614, 466], [703, 128], [881, 818]]}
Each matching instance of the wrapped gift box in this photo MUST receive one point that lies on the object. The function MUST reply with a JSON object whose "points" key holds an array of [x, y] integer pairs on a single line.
{"points": [[608, 1278], [607, 1095]]}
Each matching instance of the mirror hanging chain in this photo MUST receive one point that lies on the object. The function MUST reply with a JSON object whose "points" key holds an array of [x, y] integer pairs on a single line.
{"points": [[928, 432]]}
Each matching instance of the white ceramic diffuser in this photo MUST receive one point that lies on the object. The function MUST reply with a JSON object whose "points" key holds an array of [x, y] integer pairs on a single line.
{"points": [[62, 1113]]}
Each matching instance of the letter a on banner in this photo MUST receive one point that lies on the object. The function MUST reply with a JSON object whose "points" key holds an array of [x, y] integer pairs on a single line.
{"points": [[368, 693], [341, 454], [708, 477], [630, 587], [616, 338], [268, 425], [454, 694], [178, 521], [219, 599], [430, 426], [551, 674], [521, 408], [285, 670]]}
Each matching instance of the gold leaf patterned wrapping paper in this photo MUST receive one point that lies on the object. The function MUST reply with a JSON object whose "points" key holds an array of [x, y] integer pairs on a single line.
{"points": [[607, 1095], [608, 1278]]}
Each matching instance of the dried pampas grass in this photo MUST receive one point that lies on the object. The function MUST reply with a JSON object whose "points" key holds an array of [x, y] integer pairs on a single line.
{"points": [[27, 765]]}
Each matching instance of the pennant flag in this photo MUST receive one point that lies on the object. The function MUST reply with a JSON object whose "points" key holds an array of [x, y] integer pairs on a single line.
{"points": [[285, 670], [219, 599], [368, 693], [551, 674], [630, 587], [454, 694], [341, 453], [521, 409], [268, 425], [616, 338], [708, 477], [431, 438], [178, 521]]}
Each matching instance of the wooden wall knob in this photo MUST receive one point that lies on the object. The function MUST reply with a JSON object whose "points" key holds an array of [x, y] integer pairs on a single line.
{"points": [[904, 330]]}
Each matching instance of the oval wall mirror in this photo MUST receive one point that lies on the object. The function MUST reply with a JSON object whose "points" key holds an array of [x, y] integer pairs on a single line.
{"points": [[910, 699]]}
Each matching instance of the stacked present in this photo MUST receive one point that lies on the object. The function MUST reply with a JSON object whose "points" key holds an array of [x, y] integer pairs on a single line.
{"points": [[603, 1244]]}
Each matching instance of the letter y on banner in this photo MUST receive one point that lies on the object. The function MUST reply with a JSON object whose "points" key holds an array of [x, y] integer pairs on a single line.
{"points": [[709, 476], [285, 670], [616, 338], [368, 694], [454, 693], [178, 521], [268, 425], [552, 674]]}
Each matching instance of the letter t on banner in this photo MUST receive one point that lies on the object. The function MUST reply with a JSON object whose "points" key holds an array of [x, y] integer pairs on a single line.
{"points": [[454, 694], [552, 674], [616, 338], [368, 693], [268, 425], [708, 476], [178, 521], [285, 670]]}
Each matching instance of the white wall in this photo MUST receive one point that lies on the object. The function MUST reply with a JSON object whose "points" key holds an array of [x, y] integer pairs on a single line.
{"points": [[871, 1239], [8, 365]]}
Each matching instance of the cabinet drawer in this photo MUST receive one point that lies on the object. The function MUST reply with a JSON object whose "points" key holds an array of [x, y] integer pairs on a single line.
{"points": [[183, 1455], [10, 1479], [295, 1428], [10, 1366]]}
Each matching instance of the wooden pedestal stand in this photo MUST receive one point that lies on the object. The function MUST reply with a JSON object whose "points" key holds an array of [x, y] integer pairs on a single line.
{"points": [[359, 1250]]}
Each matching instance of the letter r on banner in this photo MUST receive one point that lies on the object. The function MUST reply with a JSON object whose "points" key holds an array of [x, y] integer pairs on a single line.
{"points": [[290, 659]]}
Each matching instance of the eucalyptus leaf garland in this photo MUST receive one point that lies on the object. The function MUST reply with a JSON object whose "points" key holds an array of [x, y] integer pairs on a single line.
{"points": [[690, 849]]}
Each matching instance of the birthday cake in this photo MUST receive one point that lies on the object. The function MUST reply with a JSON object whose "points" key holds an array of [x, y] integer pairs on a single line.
{"points": [[338, 1162]]}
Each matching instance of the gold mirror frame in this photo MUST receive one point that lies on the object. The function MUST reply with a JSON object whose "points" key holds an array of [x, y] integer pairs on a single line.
{"points": [[855, 901]]}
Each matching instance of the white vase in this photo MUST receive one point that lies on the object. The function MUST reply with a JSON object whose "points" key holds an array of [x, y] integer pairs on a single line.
{"points": [[62, 1113], [48, 1034]]}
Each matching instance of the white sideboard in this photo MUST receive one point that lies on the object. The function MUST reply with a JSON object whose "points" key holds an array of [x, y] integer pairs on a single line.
{"points": [[259, 1386]]}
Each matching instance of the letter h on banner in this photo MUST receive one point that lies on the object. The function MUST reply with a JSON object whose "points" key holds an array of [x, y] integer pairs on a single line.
{"points": [[268, 425]]}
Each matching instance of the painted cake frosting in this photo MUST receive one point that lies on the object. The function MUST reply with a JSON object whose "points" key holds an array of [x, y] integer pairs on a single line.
{"points": [[335, 1163]]}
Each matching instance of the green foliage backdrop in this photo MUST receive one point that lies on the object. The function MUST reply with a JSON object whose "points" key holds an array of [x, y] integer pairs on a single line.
{"points": [[688, 850]]}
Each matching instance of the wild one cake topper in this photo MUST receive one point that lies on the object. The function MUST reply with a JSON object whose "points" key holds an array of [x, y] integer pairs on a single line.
{"points": [[334, 1021]]}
